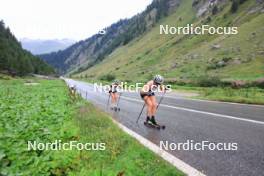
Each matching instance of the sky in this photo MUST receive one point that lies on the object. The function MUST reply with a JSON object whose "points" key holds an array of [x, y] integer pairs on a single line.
{"points": [[60, 19]]}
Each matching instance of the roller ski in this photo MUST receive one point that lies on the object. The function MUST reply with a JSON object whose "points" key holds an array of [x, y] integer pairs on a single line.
{"points": [[153, 124], [115, 108]]}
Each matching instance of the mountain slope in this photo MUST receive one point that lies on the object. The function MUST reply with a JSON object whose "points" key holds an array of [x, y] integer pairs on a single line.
{"points": [[45, 46], [86, 53], [15, 60], [187, 57]]}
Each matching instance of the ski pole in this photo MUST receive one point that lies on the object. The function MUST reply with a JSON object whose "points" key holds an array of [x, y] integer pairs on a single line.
{"points": [[118, 99], [108, 100], [141, 112], [161, 98]]}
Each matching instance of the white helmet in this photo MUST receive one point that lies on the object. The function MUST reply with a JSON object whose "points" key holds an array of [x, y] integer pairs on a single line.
{"points": [[116, 81], [73, 86], [158, 79]]}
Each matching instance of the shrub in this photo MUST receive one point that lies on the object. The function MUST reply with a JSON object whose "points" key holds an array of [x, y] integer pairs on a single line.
{"points": [[127, 80], [214, 10], [208, 20], [242, 1], [107, 77], [238, 84], [195, 2], [258, 83], [175, 81], [227, 59], [208, 81], [234, 6]]}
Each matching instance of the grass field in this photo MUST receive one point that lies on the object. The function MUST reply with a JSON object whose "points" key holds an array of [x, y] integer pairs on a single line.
{"points": [[41, 110]]}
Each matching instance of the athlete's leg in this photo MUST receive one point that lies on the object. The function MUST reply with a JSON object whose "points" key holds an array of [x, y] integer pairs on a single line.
{"points": [[154, 105], [112, 99], [153, 109], [149, 105], [116, 97]]}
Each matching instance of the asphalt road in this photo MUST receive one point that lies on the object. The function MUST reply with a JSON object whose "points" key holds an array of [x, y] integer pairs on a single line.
{"points": [[196, 120]]}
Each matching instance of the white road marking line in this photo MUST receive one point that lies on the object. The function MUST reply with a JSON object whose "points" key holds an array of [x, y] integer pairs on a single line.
{"points": [[214, 101], [203, 112], [179, 164]]}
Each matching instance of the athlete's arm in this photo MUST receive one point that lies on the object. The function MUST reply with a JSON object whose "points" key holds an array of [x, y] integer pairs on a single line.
{"points": [[147, 87], [162, 88]]}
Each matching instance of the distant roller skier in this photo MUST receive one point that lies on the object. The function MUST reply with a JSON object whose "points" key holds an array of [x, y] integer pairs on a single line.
{"points": [[114, 95], [148, 95], [73, 89]]}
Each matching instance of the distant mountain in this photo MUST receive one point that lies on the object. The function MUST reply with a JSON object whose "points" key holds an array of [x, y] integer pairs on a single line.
{"points": [[134, 48], [38, 46], [185, 58], [86, 53], [17, 61]]}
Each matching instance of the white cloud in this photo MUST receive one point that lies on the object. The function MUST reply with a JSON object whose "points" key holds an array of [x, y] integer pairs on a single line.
{"points": [[76, 19]]}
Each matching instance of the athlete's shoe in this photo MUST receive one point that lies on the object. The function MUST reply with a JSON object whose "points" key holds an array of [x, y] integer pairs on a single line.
{"points": [[147, 119], [153, 121]]}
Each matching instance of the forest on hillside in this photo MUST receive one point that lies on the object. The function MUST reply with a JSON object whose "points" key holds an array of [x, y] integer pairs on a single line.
{"points": [[17, 61]]}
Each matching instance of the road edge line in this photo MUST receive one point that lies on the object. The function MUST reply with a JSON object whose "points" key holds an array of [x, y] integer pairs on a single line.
{"points": [[179, 164], [215, 101]]}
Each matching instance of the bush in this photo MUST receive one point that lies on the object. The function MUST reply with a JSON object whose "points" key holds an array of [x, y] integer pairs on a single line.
{"points": [[107, 77], [196, 2], [208, 81], [127, 80], [242, 1], [216, 65], [208, 20], [238, 84], [227, 59], [214, 10], [176, 81], [258, 83], [234, 6]]}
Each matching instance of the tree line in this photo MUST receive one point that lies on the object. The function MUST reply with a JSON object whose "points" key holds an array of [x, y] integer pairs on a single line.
{"points": [[17, 61]]}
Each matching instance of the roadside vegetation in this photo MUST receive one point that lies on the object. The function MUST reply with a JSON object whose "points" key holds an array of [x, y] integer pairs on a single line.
{"points": [[213, 88], [42, 110], [251, 95]]}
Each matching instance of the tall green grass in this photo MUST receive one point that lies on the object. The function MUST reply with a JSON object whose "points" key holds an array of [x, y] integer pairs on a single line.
{"points": [[123, 154], [44, 112]]}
